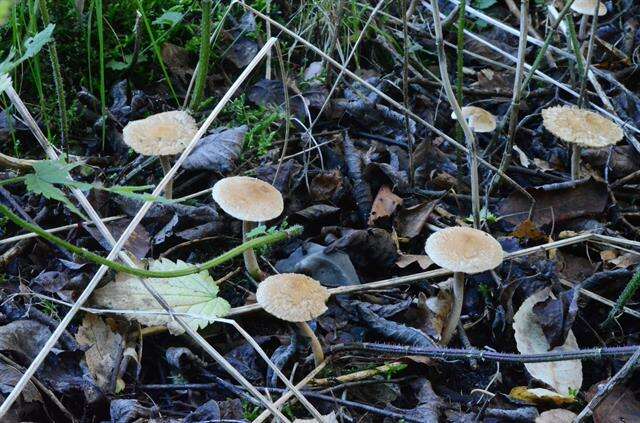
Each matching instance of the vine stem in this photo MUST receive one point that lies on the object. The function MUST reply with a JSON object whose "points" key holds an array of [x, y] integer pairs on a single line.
{"points": [[472, 154], [84, 253], [623, 299], [464, 354]]}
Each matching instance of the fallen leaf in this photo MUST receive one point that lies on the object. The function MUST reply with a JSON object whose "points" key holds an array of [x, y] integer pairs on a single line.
{"points": [[9, 376], [619, 406], [528, 230], [405, 260], [626, 260], [26, 337], [196, 294], [438, 310], [585, 199], [384, 205], [556, 316], [540, 397], [104, 353], [328, 418], [556, 415], [217, 152], [608, 255], [530, 339], [411, 221], [324, 185], [138, 243]]}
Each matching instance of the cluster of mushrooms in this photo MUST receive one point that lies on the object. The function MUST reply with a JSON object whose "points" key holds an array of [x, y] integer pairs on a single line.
{"points": [[298, 298]]}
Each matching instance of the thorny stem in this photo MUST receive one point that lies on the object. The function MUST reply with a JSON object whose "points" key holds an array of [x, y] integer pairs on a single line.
{"points": [[57, 77], [236, 251], [456, 310], [463, 354], [472, 154], [165, 162], [249, 255], [517, 93], [628, 293], [316, 347]]}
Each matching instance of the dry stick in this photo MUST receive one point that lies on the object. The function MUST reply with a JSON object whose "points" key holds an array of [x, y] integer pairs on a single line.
{"points": [[117, 247], [531, 30], [287, 395], [391, 101], [517, 92], [472, 155], [605, 390]]}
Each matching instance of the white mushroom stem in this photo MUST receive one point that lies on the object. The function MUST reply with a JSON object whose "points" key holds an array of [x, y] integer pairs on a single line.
{"points": [[456, 310], [250, 259], [165, 162], [316, 347], [575, 161]]}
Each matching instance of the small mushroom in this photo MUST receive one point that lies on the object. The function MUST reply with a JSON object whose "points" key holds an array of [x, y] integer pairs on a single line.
{"points": [[587, 7], [163, 135], [478, 119], [295, 298], [250, 200], [463, 251], [582, 128]]}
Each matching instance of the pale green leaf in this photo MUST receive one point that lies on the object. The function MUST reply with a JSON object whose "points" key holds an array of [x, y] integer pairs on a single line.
{"points": [[39, 186], [195, 294], [32, 46], [5, 82], [484, 4], [169, 17]]}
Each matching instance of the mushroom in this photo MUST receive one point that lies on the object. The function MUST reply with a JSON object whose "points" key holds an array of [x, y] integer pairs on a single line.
{"points": [[479, 119], [587, 7], [250, 200], [295, 298], [582, 128], [462, 250], [163, 135]]}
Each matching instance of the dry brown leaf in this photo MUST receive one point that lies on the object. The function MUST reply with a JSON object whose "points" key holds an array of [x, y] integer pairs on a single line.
{"points": [[556, 415], [407, 259], [585, 199], [411, 221], [540, 396], [620, 406], [560, 375], [626, 260], [608, 255], [384, 205], [105, 350], [528, 230]]}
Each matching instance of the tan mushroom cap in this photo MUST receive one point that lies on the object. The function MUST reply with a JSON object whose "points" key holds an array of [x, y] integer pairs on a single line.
{"points": [[478, 119], [292, 297], [462, 249], [247, 198], [162, 134], [579, 126], [586, 7]]}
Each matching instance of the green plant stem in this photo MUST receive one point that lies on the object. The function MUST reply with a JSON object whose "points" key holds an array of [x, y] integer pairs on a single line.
{"points": [[156, 50], [57, 77], [623, 299], [234, 252], [12, 181], [205, 53]]}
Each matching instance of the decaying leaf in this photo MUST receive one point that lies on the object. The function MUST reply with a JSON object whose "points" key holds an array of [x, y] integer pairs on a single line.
{"points": [[26, 337], [556, 415], [528, 230], [384, 205], [405, 260], [556, 205], [104, 353], [619, 406], [530, 339], [411, 221], [217, 152], [195, 294], [9, 376], [329, 418], [540, 397]]}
